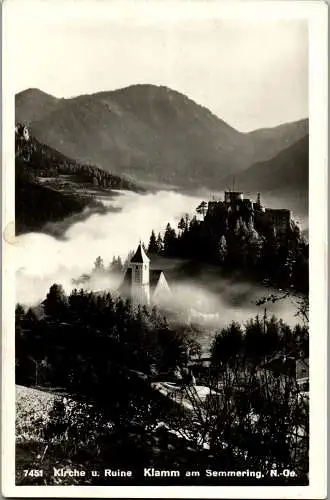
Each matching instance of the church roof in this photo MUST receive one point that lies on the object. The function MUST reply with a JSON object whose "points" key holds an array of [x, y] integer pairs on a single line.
{"points": [[140, 256], [154, 278], [127, 281]]}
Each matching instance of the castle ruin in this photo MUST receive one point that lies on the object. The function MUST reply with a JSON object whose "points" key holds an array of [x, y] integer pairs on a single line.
{"points": [[236, 204]]}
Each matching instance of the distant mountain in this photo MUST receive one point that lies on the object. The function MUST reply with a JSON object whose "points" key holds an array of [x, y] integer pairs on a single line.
{"points": [[150, 133], [33, 104], [268, 142], [285, 176]]}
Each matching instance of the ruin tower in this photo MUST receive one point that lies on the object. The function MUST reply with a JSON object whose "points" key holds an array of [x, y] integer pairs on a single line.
{"points": [[140, 286], [26, 134], [258, 200]]}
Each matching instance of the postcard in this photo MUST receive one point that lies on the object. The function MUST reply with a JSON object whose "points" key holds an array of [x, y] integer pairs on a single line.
{"points": [[164, 249]]}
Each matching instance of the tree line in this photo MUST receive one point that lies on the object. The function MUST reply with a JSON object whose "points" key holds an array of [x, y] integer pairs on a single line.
{"points": [[259, 339], [115, 266], [74, 332], [37, 203], [236, 242], [43, 161]]}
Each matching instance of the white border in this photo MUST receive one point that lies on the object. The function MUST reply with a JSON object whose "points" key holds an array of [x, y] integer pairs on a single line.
{"points": [[143, 11]]}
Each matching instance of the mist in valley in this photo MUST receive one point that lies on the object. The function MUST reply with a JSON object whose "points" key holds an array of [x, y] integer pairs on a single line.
{"points": [[209, 298], [42, 259]]}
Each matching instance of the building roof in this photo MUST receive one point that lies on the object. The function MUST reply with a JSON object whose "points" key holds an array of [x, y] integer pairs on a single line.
{"points": [[279, 211], [154, 278], [140, 256], [302, 368], [287, 364], [281, 365], [127, 281]]}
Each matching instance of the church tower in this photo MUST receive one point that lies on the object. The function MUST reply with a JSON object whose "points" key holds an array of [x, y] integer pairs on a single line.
{"points": [[140, 286]]}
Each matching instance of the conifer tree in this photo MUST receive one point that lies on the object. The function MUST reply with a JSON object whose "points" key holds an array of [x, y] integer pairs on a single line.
{"points": [[182, 225], [99, 264], [153, 247], [223, 250], [160, 244], [55, 302], [19, 313], [116, 265], [169, 240], [202, 208]]}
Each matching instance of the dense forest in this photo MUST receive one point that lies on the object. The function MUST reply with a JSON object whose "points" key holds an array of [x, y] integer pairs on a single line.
{"points": [[35, 204], [44, 161], [50, 186], [234, 242], [74, 330], [106, 355]]}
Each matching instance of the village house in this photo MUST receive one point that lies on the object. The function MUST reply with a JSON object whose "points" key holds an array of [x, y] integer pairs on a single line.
{"points": [[283, 366]]}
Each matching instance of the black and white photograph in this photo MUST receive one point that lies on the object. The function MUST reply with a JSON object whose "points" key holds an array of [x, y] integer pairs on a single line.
{"points": [[160, 228]]}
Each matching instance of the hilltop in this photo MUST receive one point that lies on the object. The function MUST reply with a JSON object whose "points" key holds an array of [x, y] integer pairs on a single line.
{"points": [[33, 104]]}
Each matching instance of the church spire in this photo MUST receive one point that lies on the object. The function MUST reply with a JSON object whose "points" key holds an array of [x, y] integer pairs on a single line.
{"points": [[140, 286], [140, 257]]}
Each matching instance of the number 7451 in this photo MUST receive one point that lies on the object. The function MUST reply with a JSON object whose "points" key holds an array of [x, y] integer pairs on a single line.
{"points": [[32, 472]]}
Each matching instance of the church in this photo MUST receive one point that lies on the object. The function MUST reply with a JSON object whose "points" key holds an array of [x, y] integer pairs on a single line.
{"points": [[143, 285]]}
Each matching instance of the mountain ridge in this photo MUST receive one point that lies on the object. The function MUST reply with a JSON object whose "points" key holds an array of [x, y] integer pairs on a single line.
{"points": [[284, 176], [151, 133], [60, 100]]}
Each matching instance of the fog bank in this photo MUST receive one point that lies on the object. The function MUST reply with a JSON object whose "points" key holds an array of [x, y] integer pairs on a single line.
{"points": [[42, 260], [209, 298]]}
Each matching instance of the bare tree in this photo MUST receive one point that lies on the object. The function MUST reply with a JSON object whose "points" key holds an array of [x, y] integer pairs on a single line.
{"points": [[300, 301], [249, 413]]}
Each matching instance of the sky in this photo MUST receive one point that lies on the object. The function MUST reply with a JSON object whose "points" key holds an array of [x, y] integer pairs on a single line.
{"points": [[252, 73]]}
